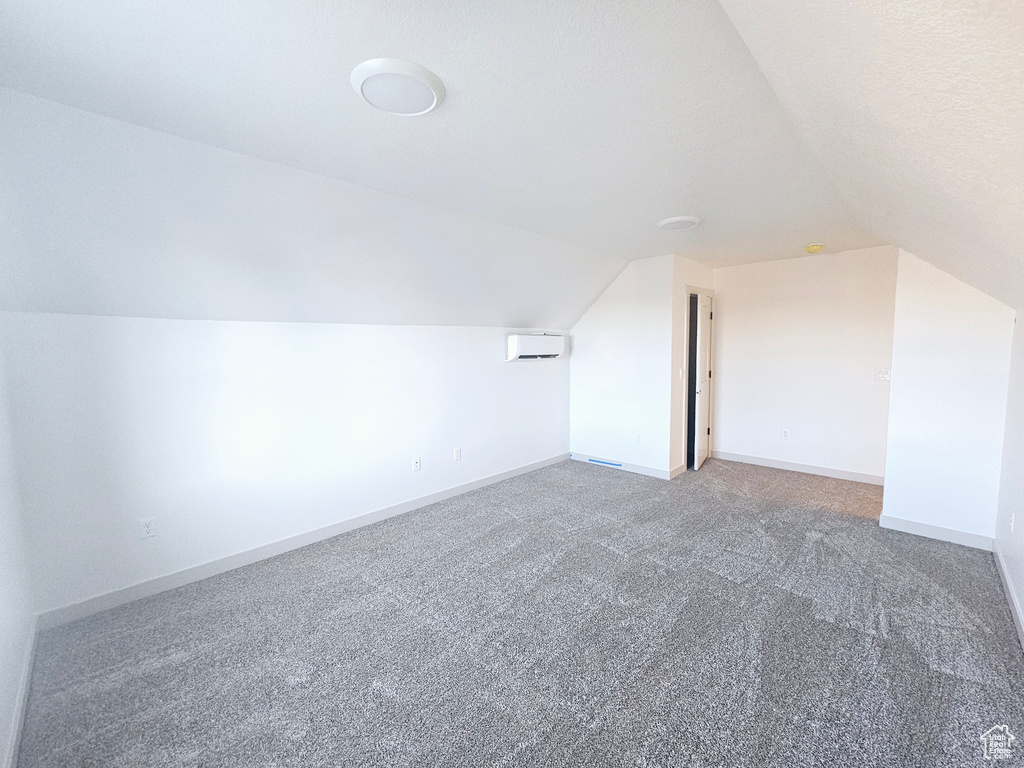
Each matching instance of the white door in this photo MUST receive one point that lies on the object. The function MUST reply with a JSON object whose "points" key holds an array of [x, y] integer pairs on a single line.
{"points": [[702, 413]]}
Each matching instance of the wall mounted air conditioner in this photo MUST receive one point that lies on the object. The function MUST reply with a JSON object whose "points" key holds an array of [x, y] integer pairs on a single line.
{"points": [[534, 346]]}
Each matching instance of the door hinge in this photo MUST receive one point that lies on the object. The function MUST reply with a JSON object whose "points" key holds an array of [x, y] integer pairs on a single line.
{"points": [[709, 430], [711, 316]]}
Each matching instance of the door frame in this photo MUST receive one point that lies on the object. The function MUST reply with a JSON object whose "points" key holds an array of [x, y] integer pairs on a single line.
{"points": [[692, 290]]}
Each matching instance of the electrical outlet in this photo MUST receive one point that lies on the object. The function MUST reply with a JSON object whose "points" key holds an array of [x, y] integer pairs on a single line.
{"points": [[147, 527], [457, 455], [416, 464], [882, 374], [638, 437], [785, 434]]}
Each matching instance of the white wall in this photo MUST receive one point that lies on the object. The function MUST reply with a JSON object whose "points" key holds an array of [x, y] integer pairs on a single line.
{"points": [[797, 345], [17, 619], [950, 369], [235, 435], [620, 386], [1010, 522]]}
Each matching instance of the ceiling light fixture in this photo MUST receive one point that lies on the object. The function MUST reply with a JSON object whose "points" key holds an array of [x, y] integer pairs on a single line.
{"points": [[814, 247], [397, 86], [679, 223]]}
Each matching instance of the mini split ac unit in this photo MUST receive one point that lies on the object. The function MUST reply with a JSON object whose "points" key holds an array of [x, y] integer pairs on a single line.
{"points": [[534, 346]]}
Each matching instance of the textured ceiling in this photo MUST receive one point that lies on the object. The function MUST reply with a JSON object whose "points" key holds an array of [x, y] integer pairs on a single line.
{"points": [[581, 122], [569, 128], [915, 108]]}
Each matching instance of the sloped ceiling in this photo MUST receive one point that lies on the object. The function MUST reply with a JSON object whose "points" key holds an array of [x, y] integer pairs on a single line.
{"points": [[101, 217], [915, 108], [273, 192]]}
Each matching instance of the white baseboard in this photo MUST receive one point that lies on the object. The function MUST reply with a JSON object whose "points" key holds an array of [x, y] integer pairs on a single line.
{"points": [[1011, 594], [975, 540], [838, 474], [68, 613], [676, 471], [14, 736], [661, 474]]}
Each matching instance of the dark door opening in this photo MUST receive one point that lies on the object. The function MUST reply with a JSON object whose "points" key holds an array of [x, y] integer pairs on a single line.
{"points": [[691, 385]]}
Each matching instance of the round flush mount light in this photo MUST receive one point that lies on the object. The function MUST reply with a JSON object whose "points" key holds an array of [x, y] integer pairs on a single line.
{"points": [[814, 247], [679, 223], [397, 86]]}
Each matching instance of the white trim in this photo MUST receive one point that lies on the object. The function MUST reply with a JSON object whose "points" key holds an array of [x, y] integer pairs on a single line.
{"points": [[21, 700], [68, 613], [975, 540], [838, 474], [1011, 595], [709, 292], [661, 474]]}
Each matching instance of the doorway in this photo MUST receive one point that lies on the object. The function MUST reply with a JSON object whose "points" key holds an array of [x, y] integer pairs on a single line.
{"points": [[699, 367]]}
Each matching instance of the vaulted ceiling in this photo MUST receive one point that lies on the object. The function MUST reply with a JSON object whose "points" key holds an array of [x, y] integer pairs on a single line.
{"points": [[915, 109], [210, 159]]}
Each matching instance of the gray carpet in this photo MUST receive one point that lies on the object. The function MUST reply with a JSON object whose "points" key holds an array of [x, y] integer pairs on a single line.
{"points": [[573, 616]]}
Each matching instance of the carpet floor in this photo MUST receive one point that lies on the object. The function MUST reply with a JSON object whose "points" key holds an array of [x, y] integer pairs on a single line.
{"points": [[572, 616]]}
